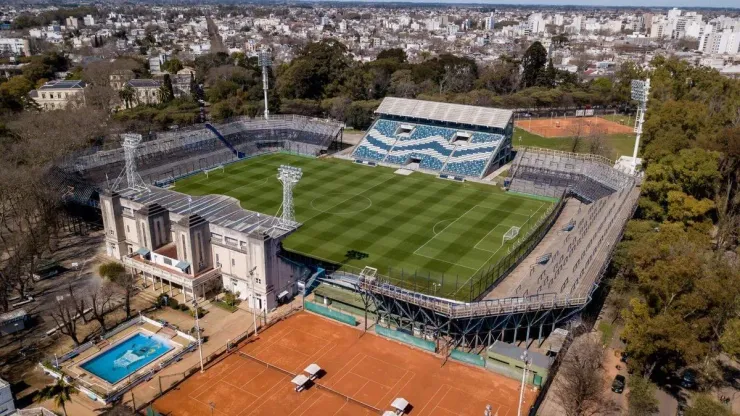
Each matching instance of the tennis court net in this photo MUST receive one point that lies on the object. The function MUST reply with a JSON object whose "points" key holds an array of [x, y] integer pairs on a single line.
{"points": [[319, 386]]}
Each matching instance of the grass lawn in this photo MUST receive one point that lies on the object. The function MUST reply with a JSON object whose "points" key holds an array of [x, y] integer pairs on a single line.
{"points": [[621, 119], [422, 230], [622, 144]]}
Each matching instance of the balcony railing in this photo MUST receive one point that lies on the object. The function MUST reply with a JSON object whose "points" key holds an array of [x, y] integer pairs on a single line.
{"points": [[181, 279]]}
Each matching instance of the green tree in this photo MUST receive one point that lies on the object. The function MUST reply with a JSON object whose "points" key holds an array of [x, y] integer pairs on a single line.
{"points": [[533, 62], [166, 93], [61, 392], [730, 339], [172, 65], [704, 405], [641, 397], [128, 96], [396, 54]]}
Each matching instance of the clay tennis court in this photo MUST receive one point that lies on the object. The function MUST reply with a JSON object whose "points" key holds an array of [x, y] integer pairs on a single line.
{"points": [[570, 127], [370, 370]]}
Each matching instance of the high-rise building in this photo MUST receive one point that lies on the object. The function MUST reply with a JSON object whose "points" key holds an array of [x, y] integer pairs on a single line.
{"points": [[725, 42], [489, 23], [88, 20], [72, 22]]}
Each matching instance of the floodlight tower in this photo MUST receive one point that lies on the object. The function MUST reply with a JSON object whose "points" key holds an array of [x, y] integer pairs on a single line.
{"points": [[133, 179], [640, 93], [265, 61], [289, 177]]}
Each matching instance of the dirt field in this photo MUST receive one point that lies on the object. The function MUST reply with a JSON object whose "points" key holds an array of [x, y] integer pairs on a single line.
{"points": [[366, 368], [570, 127]]}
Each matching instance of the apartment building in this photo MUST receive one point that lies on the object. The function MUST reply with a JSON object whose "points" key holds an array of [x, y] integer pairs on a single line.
{"points": [[197, 245], [58, 95]]}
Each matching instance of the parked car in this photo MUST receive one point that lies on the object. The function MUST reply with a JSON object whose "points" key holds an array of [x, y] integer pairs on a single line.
{"points": [[618, 384], [688, 380]]}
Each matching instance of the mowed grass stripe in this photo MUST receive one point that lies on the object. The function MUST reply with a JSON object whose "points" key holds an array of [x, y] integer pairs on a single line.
{"points": [[422, 228]]}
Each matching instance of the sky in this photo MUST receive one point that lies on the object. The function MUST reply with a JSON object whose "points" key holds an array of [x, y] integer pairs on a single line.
{"points": [[603, 3]]}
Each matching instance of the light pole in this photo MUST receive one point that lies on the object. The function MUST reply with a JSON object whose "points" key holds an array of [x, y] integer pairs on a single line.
{"points": [[526, 360], [197, 329]]}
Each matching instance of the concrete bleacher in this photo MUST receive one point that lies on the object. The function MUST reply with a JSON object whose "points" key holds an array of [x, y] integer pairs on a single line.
{"points": [[173, 153], [548, 173]]}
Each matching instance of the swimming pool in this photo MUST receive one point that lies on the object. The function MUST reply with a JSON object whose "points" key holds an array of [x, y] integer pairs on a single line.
{"points": [[123, 359]]}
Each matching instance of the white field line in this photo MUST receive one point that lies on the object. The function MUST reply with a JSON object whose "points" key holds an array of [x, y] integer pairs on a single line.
{"points": [[347, 199], [464, 214]]}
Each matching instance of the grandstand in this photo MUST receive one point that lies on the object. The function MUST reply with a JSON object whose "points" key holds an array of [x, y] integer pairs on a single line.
{"points": [[172, 154], [448, 139], [551, 172]]}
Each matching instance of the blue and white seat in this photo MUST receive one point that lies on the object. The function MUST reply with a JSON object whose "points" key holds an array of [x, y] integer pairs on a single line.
{"points": [[472, 159], [378, 141], [431, 145]]}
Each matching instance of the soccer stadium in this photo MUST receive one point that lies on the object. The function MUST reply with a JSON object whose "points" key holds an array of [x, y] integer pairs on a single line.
{"points": [[433, 227]]}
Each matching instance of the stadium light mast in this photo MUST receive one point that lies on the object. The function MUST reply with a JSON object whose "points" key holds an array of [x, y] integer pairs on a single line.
{"points": [[133, 179], [289, 177], [640, 93], [265, 61]]}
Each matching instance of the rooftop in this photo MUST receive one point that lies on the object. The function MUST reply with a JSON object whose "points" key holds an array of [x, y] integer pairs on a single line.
{"points": [[514, 352], [451, 113], [144, 83], [219, 210], [66, 84]]}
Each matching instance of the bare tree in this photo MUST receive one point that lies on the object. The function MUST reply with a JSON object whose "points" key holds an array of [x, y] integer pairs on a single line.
{"points": [[116, 273], [580, 387], [77, 301], [101, 301], [64, 316], [598, 143]]}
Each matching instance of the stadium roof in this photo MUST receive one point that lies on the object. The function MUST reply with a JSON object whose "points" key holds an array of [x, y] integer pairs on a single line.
{"points": [[216, 209], [449, 113]]}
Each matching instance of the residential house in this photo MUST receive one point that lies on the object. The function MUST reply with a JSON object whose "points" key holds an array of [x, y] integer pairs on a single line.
{"points": [[57, 95]]}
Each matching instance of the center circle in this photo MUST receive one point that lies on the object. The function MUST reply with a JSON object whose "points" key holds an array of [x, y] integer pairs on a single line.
{"points": [[332, 203]]}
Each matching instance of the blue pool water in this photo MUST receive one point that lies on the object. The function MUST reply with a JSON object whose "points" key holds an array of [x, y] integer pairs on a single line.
{"points": [[125, 358]]}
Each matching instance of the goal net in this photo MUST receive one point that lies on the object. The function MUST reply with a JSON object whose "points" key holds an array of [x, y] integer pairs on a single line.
{"points": [[217, 168], [511, 234]]}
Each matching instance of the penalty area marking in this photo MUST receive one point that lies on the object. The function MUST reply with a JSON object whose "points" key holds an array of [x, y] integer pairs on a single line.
{"points": [[434, 228]]}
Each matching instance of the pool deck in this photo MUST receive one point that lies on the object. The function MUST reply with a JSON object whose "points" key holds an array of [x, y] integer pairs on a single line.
{"points": [[73, 367]]}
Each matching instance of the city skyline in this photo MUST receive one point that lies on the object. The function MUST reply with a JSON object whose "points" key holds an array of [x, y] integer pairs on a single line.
{"points": [[717, 4]]}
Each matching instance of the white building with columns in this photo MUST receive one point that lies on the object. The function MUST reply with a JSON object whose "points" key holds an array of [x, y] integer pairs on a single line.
{"points": [[193, 246]]}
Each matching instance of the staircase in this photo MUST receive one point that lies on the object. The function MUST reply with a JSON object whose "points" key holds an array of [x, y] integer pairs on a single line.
{"points": [[237, 153]]}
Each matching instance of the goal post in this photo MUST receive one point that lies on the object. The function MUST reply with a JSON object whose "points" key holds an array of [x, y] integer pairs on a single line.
{"points": [[510, 234], [219, 167]]}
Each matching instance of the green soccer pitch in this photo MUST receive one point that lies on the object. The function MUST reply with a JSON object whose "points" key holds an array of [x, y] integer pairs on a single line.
{"points": [[419, 228]]}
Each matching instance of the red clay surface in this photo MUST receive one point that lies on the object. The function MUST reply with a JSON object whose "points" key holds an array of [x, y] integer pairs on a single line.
{"points": [[570, 127], [366, 367]]}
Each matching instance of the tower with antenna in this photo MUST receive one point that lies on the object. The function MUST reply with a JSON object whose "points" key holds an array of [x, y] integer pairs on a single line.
{"points": [[264, 59], [133, 179], [640, 93], [289, 177]]}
